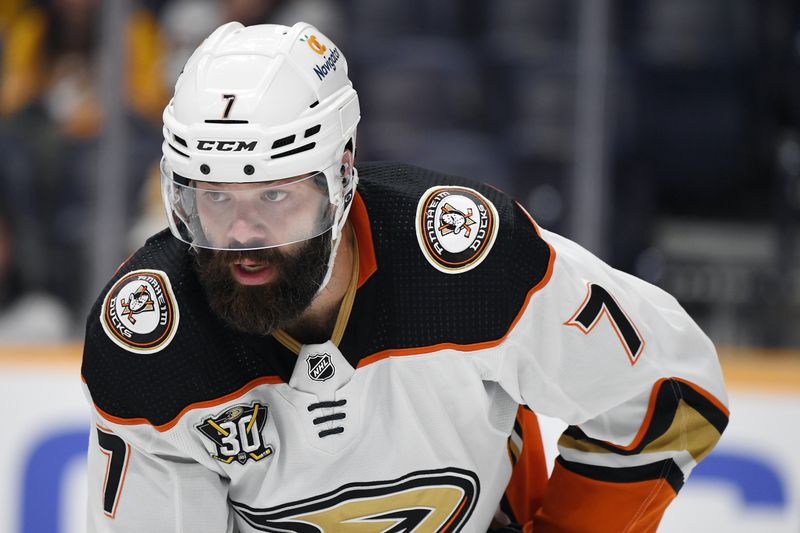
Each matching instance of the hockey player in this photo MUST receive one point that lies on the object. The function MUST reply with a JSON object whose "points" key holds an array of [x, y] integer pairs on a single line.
{"points": [[332, 349]]}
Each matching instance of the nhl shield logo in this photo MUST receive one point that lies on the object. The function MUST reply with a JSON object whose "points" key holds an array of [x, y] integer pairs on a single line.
{"points": [[456, 227], [320, 367]]}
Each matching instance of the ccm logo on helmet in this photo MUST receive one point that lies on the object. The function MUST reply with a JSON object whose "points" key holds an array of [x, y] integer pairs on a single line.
{"points": [[227, 146]]}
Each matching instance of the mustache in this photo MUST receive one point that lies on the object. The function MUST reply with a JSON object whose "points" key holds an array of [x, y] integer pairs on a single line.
{"points": [[226, 257]]}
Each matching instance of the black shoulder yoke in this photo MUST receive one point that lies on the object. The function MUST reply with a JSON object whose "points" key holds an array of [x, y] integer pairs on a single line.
{"points": [[408, 303], [204, 360]]}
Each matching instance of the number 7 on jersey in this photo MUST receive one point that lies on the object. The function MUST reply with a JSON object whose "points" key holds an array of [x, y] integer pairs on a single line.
{"points": [[599, 302], [118, 453]]}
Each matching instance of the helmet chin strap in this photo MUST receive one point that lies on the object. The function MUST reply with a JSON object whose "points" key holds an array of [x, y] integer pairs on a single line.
{"points": [[329, 270], [338, 232]]}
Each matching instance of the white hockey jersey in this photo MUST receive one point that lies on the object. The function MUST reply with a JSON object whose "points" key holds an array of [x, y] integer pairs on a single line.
{"points": [[462, 319]]}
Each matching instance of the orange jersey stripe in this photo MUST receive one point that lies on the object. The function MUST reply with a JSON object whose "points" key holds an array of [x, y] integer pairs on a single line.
{"points": [[359, 218], [576, 503], [528, 482], [266, 380]]}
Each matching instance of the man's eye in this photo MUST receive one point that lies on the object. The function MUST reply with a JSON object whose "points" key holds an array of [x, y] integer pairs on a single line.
{"points": [[274, 195], [216, 197]]}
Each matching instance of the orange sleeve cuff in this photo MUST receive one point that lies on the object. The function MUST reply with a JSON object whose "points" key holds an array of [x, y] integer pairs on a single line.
{"points": [[574, 503]]}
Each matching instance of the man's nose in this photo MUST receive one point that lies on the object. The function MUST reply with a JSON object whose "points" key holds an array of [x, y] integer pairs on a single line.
{"points": [[244, 231], [246, 225]]}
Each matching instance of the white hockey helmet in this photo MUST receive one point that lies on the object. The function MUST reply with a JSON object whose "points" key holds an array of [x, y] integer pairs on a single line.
{"points": [[255, 134]]}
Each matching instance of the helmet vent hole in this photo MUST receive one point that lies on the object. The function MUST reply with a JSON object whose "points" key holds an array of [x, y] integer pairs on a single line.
{"points": [[283, 142], [303, 148], [183, 180], [249, 170], [180, 140], [205, 169], [177, 151], [315, 104], [313, 130]]}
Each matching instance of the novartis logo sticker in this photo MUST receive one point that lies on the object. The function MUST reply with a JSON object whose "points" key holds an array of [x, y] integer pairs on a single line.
{"points": [[456, 228], [140, 313]]}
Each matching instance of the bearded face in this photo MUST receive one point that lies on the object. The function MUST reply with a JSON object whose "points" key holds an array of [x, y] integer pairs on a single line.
{"points": [[259, 291]]}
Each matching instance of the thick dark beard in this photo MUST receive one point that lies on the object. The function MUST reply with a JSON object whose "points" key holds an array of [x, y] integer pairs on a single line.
{"points": [[261, 309]]}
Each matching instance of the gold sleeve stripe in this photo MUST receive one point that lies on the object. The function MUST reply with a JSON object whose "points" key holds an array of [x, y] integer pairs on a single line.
{"points": [[681, 416]]}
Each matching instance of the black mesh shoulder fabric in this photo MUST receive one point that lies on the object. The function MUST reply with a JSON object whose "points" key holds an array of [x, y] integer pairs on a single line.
{"points": [[205, 360], [408, 303]]}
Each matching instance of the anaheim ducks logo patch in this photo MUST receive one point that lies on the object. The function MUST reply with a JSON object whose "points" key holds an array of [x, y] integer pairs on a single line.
{"points": [[435, 501], [456, 227], [139, 313]]}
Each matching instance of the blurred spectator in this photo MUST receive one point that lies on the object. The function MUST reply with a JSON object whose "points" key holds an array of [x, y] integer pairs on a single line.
{"points": [[50, 105], [50, 55], [26, 315], [8, 10]]}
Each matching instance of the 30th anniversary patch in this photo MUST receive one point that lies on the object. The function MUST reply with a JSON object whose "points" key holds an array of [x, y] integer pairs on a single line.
{"points": [[456, 227], [140, 313], [236, 433]]}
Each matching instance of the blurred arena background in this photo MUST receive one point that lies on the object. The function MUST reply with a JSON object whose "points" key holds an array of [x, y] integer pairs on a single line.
{"points": [[664, 135]]}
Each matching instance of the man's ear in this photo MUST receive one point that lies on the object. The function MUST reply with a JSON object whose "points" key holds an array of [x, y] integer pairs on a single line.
{"points": [[348, 161]]}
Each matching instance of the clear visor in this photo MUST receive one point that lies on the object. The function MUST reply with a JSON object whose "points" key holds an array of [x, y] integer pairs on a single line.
{"points": [[247, 216]]}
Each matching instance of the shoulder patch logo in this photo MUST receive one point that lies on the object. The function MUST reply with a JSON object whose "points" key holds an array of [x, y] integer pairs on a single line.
{"points": [[140, 313], [236, 433], [456, 227]]}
